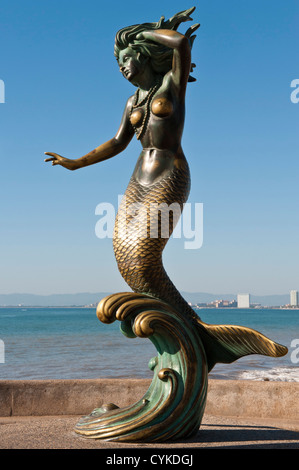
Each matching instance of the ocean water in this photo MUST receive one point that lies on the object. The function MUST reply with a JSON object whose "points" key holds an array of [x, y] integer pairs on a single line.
{"points": [[71, 343]]}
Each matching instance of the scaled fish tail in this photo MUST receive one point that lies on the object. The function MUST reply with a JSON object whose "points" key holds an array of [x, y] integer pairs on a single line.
{"points": [[227, 343]]}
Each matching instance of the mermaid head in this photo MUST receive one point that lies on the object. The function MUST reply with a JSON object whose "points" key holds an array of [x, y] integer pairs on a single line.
{"points": [[159, 56]]}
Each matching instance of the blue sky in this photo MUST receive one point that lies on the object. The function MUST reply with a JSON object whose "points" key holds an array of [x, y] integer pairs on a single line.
{"points": [[64, 93]]}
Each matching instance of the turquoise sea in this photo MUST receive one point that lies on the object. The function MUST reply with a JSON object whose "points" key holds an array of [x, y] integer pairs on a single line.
{"points": [[71, 343]]}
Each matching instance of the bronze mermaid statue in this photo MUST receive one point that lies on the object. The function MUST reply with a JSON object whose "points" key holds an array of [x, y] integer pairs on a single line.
{"points": [[156, 59]]}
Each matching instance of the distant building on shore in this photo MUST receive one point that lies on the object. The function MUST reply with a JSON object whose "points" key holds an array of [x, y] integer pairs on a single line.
{"points": [[243, 300], [294, 298], [217, 304], [224, 303]]}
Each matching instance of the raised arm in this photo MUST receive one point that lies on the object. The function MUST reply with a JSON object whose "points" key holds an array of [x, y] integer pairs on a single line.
{"points": [[107, 150], [180, 44]]}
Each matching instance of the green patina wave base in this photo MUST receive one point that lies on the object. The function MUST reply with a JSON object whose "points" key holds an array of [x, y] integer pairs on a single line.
{"points": [[173, 406]]}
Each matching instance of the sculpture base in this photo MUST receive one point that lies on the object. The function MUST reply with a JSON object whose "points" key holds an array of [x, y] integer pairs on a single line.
{"points": [[173, 406]]}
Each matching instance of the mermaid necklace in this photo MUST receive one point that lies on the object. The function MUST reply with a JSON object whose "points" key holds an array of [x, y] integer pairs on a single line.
{"points": [[145, 102]]}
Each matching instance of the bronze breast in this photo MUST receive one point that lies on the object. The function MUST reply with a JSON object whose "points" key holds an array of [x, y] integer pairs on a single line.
{"points": [[162, 107], [136, 117]]}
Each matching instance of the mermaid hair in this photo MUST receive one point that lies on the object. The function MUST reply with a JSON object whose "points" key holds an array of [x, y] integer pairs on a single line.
{"points": [[160, 56]]}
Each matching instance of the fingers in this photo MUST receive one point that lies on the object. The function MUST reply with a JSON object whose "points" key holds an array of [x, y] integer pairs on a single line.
{"points": [[54, 158], [52, 154]]}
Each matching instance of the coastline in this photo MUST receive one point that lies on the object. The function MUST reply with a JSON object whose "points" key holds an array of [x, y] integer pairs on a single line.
{"points": [[263, 307]]}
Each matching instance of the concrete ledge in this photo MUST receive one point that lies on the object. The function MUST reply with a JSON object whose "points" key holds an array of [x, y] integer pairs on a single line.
{"points": [[249, 399], [253, 399], [66, 397]]}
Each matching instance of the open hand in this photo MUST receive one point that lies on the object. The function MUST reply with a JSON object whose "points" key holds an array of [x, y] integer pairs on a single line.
{"points": [[62, 161]]}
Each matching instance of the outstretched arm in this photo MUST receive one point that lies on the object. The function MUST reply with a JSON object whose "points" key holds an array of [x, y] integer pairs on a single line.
{"points": [[107, 150]]}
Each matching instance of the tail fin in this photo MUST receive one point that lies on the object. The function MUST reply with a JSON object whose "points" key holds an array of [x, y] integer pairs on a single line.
{"points": [[226, 343]]}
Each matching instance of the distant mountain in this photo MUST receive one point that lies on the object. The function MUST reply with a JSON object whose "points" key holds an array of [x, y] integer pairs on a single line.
{"points": [[54, 300], [87, 298]]}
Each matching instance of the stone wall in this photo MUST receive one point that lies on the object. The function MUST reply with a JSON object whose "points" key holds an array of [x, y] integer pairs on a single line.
{"points": [[79, 397]]}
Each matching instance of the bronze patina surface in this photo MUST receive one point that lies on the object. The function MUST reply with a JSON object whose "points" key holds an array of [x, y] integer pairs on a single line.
{"points": [[156, 59]]}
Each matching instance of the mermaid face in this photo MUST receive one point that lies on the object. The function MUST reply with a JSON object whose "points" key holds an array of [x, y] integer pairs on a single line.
{"points": [[129, 63]]}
